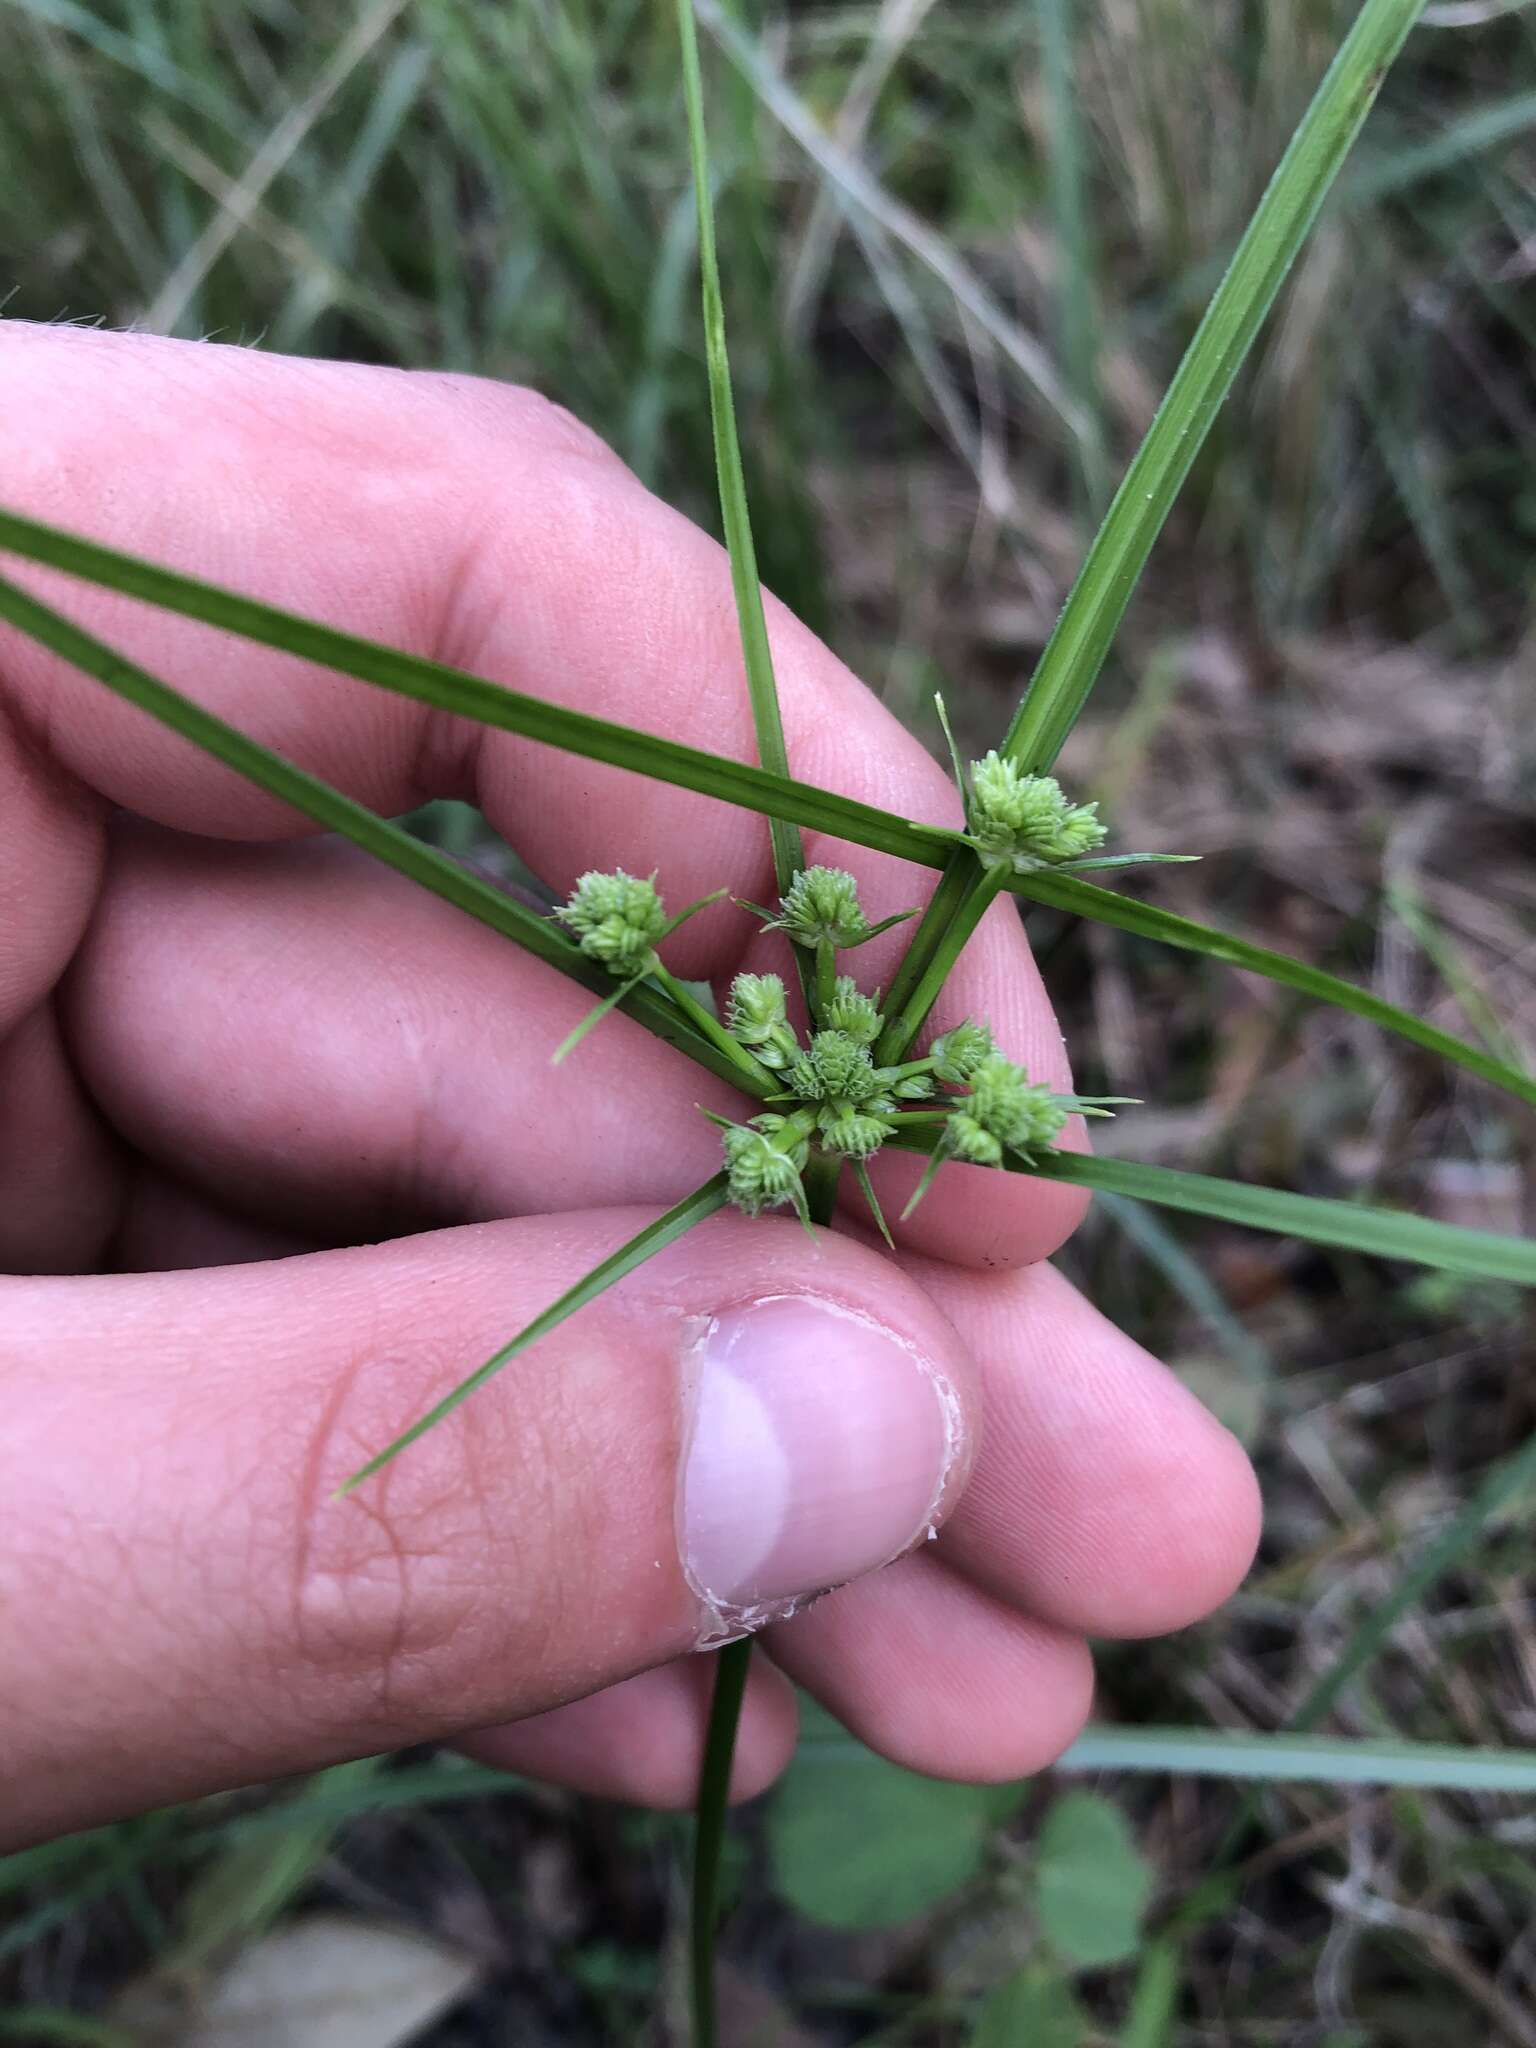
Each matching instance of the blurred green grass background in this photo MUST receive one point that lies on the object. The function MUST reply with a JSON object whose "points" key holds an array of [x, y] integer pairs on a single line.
{"points": [[951, 317]]}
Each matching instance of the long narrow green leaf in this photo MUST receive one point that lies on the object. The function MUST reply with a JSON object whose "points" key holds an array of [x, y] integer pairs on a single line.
{"points": [[1318, 1759], [1091, 617], [1382, 1233], [644, 1245], [749, 787], [1147, 921], [328, 807], [764, 790], [1349, 1225], [788, 854]]}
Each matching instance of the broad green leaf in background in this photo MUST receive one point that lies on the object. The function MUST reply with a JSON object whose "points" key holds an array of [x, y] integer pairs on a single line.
{"points": [[1034, 2008], [855, 1841], [1091, 1881]]}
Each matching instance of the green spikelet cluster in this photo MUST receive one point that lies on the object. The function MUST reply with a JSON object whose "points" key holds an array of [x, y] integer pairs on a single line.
{"points": [[1004, 1112], [615, 918], [756, 1015], [764, 1160], [1027, 819], [822, 904]]}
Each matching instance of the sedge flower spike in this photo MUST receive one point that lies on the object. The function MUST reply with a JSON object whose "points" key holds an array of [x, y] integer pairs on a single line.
{"points": [[756, 1016], [1004, 1112], [822, 904], [856, 1016], [617, 919], [1027, 821], [956, 1054], [821, 909], [764, 1160]]}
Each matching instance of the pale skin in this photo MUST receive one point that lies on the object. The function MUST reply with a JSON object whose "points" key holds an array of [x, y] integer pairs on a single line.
{"points": [[229, 1050]]}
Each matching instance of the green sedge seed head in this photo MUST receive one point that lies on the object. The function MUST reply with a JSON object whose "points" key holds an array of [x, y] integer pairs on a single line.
{"points": [[851, 1133], [755, 1015], [855, 1015], [758, 1174], [1022, 1115], [822, 903], [616, 918], [958, 1053], [965, 1138], [834, 1069], [911, 1088], [1028, 817]]}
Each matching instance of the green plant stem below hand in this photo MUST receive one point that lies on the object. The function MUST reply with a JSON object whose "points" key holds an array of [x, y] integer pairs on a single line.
{"points": [[732, 1665]]}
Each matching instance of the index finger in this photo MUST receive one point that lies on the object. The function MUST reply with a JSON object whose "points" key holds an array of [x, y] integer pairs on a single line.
{"points": [[476, 523]]}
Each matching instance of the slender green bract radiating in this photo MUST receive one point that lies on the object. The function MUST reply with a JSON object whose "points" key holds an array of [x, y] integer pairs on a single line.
{"points": [[737, 782], [762, 689], [1096, 604], [1351, 1226], [1291, 1759], [1097, 601], [1345, 1224], [338, 813], [645, 1244]]}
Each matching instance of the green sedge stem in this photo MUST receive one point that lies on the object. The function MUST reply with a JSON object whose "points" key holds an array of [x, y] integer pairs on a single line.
{"points": [[973, 903], [731, 1667], [909, 1068], [821, 1177], [942, 905], [755, 1076], [826, 977]]}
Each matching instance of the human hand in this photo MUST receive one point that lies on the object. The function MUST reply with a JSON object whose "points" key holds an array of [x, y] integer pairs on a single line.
{"points": [[226, 1047]]}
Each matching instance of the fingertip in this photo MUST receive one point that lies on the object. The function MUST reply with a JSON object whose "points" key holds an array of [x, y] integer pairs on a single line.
{"points": [[940, 1677], [977, 1216]]}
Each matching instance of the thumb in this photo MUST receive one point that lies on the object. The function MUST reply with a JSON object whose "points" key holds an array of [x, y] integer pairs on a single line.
{"points": [[185, 1606]]}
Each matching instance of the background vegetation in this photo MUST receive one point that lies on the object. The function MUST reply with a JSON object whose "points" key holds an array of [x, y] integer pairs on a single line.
{"points": [[1327, 687]]}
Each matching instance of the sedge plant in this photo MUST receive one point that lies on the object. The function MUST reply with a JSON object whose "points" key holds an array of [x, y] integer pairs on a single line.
{"points": [[833, 1070]]}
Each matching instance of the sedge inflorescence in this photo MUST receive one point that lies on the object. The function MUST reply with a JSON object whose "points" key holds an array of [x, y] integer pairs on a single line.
{"points": [[975, 1105], [963, 1098], [1027, 821]]}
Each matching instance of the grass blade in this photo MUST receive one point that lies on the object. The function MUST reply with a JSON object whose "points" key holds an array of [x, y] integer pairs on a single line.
{"points": [[744, 784], [754, 788], [1091, 617], [1351, 1226], [644, 1245], [1508, 1480], [853, 189], [1147, 921], [788, 854], [338, 813], [1319, 1759]]}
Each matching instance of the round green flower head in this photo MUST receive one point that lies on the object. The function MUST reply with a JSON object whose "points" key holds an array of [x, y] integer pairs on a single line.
{"points": [[822, 903], [616, 919], [755, 1016], [763, 1161], [958, 1053], [834, 1069], [856, 1016], [1027, 818], [850, 1132], [1005, 1111]]}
